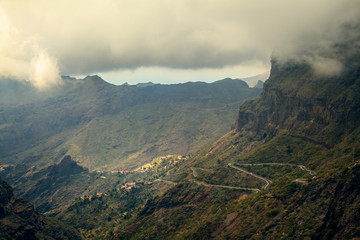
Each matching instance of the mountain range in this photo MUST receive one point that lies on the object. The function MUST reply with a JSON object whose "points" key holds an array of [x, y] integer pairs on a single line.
{"points": [[299, 140], [288, 169], [103, 126]]}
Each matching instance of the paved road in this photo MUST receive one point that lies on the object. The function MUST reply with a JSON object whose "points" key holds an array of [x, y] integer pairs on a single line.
{"points": [[167, 181], [267, 181], [194, 171], [300, 180], [209, 185], [224, 186], [302, 167], [311, 172]]}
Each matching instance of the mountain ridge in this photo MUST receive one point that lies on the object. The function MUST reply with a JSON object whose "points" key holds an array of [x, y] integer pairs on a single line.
{"points": [[19, 220], [292, 123], [67, 123]]}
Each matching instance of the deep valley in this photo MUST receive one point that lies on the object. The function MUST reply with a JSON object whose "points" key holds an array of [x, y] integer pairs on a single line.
{"points": [[81, 158]]}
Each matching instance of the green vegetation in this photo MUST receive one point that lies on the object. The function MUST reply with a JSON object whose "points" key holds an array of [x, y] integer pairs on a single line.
{"points": [[189, 210], [303, 137], [288, 209], [228, 177], [19, 220], [282, 149], [97, 217], [289, 170], [106, 127]]}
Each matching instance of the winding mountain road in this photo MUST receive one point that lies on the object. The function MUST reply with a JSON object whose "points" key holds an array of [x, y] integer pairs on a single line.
{"points": [[302, 167], [166, 181], [267, 181], [194, 171], [224, 186]]}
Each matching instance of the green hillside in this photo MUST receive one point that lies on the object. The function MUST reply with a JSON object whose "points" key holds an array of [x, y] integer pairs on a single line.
{"points": [[103, 126], [290, 169], [19, 220]]}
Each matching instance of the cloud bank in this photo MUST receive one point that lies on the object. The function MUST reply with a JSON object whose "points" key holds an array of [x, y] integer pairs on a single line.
{"points": [[22, 58], [89, 36]]}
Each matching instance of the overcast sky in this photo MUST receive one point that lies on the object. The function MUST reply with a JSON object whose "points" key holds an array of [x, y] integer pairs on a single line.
{"points": [[160, 40]]}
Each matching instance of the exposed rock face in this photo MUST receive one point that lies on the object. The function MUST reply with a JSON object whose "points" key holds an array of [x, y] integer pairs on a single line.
{"points": [[19, 220], [66, 167], [49, 187], [302, 102], [298, 110], [56, 184], [342, 211], [5, 192]]}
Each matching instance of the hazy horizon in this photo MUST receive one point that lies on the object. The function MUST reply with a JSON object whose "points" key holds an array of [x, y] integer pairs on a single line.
{"points": [[167, 76], [141, 41]]}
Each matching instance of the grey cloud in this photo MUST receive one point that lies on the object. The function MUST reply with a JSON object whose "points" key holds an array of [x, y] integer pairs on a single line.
{"points": [[96, 36]]}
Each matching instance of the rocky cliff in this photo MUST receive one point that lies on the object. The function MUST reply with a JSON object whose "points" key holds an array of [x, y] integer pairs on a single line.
{"points": [[305, 119], [305, 103], [50, 187], [19, 220]]}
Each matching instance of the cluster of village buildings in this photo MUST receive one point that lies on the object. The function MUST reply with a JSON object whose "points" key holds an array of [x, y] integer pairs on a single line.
{"points": [[173, 159], [127, 188]]}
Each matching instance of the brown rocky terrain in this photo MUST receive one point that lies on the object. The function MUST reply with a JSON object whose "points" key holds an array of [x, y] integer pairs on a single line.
{"points": [[19, 220]]}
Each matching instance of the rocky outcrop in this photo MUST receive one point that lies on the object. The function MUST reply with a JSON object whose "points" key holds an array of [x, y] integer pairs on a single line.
{"points": [[50, 187], [55, 185], [302, 102], [66, 167], [342, 209], [19, 220]]}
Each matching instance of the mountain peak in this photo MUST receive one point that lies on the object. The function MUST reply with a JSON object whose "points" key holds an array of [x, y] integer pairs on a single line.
{"points": [[147, 84], [233, 80], [95, 79], [66, 167]]}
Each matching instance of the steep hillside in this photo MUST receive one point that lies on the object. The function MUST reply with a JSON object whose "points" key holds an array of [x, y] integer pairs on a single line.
{"points": [[300, 139], [48, 188], [318, 107], [19, 220], [58, 185], [105, 126]]}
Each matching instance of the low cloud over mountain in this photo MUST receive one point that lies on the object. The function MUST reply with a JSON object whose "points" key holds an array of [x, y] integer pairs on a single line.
{"points": [[39, 39]]}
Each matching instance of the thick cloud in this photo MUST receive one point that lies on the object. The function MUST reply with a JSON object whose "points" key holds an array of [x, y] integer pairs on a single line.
{"points": [[84, 36], [22, 58]]}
